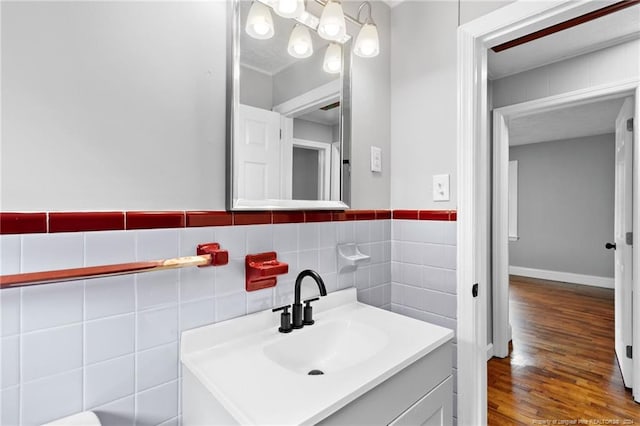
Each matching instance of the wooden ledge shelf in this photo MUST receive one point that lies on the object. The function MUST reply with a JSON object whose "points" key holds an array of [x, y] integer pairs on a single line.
{"points": [[209, 254]]}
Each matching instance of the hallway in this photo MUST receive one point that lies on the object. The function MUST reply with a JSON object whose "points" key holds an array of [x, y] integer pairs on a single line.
{"points": [[562, 366]]}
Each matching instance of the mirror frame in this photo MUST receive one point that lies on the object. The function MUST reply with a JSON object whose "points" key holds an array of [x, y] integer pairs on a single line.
{"points": [[232, 108]]}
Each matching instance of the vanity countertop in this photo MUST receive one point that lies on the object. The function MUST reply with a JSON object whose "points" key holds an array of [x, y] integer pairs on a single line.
{"points": [[259, 375]]}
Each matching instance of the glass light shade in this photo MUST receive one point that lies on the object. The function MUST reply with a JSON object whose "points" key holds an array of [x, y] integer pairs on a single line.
{"points": [[259, 22], [300, 45], [367, 44], [332, 24], [333, 59], [289, 8]]}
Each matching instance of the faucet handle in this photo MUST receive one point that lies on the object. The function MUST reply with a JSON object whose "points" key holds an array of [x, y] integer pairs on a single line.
{"points": [[285, 319], [308, 311]]}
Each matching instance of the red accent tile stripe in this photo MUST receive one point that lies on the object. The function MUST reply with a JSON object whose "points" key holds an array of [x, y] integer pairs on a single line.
{"points": [[346, 215], [433, 215], [405, 214], [209, 218], [365, 214], [23, 223], [86, 221], [444, 215], [288, 217], [252, 218], [383, 214], [155, 220], [318, 216]]}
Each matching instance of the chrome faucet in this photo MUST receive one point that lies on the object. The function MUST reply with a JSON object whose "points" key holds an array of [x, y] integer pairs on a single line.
{"points": [[298, 321]]}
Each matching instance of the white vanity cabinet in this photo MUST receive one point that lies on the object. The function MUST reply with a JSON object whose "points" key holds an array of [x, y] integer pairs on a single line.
{"points": [[379, 368], [420, 394]]}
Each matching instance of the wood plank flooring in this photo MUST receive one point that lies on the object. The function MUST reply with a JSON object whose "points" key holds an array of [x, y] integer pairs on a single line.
{"points": [[562, 366]]}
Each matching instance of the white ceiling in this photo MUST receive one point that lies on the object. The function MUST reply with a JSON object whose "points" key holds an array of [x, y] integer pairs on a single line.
{"points": [[596, 118], [590, 36], [271, 56], [268, 56]]}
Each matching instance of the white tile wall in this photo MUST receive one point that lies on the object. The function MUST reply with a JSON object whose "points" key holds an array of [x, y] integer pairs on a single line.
{"points": [[423, 273], [112, 344]]}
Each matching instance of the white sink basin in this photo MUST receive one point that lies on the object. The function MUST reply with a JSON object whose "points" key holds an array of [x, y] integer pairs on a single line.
{"points": [[257, 375], [328, 347]]}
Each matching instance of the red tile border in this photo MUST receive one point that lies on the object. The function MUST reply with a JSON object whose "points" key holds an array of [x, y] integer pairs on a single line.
{"points": [[405, 214], [443, 215], [23, 223], [433, 215], [26, 223], [86, 221], [155, 220], [318, 216], [252, 218], [365, 214], [383, 214], [209, 218], [288, 217], [346, 215]]}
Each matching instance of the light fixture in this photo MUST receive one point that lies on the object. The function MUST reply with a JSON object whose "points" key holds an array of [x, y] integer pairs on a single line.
{"points": [[367, 44], [333, 59], [300, 45], [332, 24], [289, 8], [259, 22]]}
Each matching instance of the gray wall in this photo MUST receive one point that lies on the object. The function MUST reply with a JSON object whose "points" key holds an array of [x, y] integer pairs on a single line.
{"points": [[256, 88], [299, 78], [423, 96], [615, 63], [565, 205], [311, 131], [113, 105], [305, 174], [85, 82]]}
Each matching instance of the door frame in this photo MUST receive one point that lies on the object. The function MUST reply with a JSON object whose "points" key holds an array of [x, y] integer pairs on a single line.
{"points": [[500, 242], [474, 188]]}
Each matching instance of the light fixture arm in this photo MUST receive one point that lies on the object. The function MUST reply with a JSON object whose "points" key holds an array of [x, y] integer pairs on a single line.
{"points": [[369, 19], [312, 21], [349, 17]]}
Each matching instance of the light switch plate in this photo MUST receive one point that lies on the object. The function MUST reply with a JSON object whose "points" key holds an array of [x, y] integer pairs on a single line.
{"points": [[376, 159], [440, 187]]}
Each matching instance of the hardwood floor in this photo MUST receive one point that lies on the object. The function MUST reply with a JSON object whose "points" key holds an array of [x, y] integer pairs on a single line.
{"points": [[562, 366]]}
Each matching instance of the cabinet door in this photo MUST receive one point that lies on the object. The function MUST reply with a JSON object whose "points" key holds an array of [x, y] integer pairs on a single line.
{"points": [[434, 409]]}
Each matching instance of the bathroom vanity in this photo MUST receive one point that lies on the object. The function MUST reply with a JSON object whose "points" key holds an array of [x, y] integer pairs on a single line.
{"points": [[369, 366]]}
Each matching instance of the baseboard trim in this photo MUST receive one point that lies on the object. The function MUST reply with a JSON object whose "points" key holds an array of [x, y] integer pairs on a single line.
{"points": [[567, 277], [489, 351]]}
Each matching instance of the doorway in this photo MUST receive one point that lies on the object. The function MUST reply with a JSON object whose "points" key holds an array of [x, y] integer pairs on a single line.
{"points": [[561, 366], [474, 183], [552, 113], [571, 157]]}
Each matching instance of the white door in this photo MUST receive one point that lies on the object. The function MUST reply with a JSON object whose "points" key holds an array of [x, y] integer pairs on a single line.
{"points": [[257, 154], [623, 224]]}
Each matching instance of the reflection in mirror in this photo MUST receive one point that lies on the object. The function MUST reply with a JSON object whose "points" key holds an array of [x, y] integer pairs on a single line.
{"points": [[289, 125]]}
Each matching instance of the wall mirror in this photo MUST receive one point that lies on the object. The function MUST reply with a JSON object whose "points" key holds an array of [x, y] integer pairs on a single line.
{"points": [[288, 112]]}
